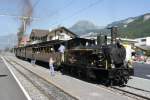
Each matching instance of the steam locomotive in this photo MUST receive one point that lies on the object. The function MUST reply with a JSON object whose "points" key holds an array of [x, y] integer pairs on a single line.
{"points": [[85, 58]]}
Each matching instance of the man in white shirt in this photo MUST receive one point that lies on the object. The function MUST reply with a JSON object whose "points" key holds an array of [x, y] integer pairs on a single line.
{"points": [[61, 49]]}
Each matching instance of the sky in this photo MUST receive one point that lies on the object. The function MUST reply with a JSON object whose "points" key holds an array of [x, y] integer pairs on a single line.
{"points": [[54, 13]]}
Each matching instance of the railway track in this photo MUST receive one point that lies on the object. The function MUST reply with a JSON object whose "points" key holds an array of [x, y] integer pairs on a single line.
{"points": [[131, 92], [47, 89], [137, 88]]}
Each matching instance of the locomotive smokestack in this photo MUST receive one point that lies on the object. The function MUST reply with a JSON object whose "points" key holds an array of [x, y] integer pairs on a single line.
{"points": [[99, 40], [114, 31], [105, 39]]}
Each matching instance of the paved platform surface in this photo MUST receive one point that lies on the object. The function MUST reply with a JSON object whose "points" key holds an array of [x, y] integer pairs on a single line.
{"points": [[141, 79], [9, 88], [75, 87], [140, 83]]}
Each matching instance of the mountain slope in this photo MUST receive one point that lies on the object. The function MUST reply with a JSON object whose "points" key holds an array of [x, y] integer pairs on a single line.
{"points": [[83, 27], [134, 27]]}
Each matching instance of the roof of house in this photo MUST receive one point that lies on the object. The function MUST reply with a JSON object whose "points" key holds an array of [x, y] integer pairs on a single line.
{"points": [[60, 28], [38, 33]]}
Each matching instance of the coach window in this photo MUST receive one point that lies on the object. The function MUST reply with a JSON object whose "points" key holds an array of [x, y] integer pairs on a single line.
{"points": [[83, 43], [36, 50], [44, 49], [47, 50], [32, 50], [39, 50]]}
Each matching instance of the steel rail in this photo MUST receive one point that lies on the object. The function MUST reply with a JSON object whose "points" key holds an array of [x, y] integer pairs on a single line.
{"points": [[131, 93]]}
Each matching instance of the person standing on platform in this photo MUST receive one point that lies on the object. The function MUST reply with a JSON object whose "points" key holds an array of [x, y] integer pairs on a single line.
{"points": [[51, 65], [61, 49]]}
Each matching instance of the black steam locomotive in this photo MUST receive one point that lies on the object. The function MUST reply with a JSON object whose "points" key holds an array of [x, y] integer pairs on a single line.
{"points": [[85, 58], [102, 61]]}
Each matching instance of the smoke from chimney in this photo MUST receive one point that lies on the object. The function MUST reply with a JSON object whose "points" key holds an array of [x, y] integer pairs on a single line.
{"points": [[27, 12]]}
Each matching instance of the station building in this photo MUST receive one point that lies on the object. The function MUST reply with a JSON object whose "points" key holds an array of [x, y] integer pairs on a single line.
{"points": [[38, 35], [61, 33]]}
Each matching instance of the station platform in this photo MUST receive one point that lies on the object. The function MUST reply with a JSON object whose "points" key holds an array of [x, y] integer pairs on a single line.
{"points": [[139, 83], [77, 88]]}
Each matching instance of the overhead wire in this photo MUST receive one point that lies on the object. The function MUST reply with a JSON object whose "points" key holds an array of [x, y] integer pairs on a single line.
{"points": [[64, 7], [79, 11], [35, 4], [53, 13]]}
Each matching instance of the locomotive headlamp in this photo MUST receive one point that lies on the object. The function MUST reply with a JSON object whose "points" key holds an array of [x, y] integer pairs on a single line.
{"points": [[112, 66]]}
